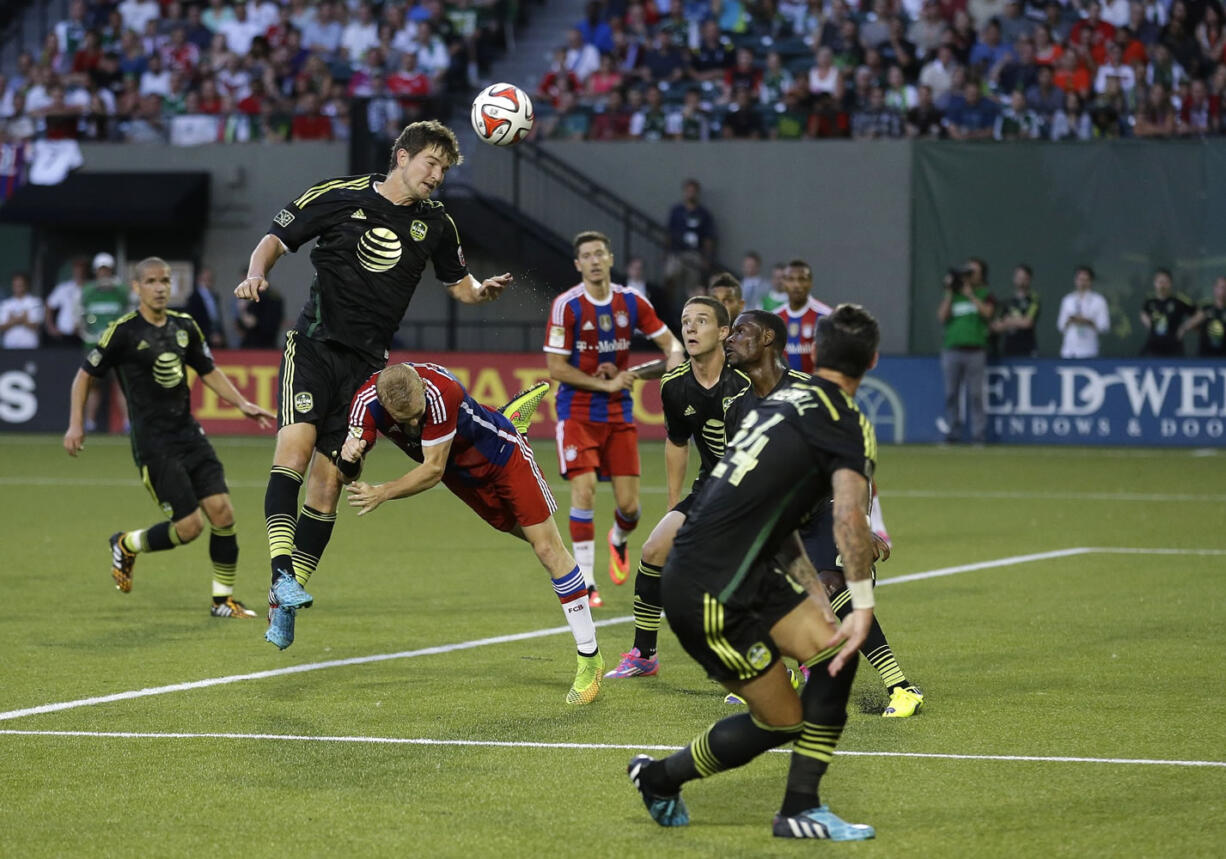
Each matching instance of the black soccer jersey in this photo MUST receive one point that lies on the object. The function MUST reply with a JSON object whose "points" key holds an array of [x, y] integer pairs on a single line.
{"points": [[368, 261], [745, 401], [776, 470], [692, 411], [1213, 331], [1021, 341], [1165, 317], [151, 361]]}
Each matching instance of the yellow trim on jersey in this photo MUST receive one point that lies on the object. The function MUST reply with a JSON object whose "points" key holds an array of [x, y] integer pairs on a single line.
{"points": [[454, 227], [821, 395], [680, 370], [713, 626], [322, 188], [287, 382], [110, 329]]}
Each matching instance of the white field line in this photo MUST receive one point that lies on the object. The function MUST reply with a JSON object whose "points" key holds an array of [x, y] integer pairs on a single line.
{"points": [[539, 633], [562, 489], [503, 744]]}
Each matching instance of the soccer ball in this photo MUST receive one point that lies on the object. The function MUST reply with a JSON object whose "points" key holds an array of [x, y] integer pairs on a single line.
{"points": [[502, 114]]}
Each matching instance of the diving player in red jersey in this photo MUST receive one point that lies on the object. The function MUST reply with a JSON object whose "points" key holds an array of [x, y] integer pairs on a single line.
{"points": [[589, 325], [477, 454]]}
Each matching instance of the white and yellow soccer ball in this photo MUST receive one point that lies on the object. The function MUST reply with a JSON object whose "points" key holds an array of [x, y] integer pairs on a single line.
{"points": [[502, 114]]}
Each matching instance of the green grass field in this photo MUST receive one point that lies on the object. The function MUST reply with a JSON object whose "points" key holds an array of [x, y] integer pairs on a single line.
{"points": [[1106, 657]]}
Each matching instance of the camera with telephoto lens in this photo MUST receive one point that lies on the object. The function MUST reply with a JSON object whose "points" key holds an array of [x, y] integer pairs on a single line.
{"points": [[953, 279]]}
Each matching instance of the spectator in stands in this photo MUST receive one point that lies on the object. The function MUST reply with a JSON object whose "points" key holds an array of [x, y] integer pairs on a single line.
{"points": [[753, 286], [742, 121], [135, 13], [691, 121], [1016, 324], [691, 242], [594, 29], [776, 81], [408, 81], [925, 32], [569, 122], [581, 59], [1072, 76], [612, 122], [64, 308], [974, 118], [156, 78], [1014, 25], [240, 30], [1072, 122], [21, 315], [1199, 115], [196, 31], [925, 119], [360, 34], [309, 123], [323, 33], [1163, 69], [204, 306], [1047, 51], [964, 311], [875, 120], [1045, 98], [663, 61], [1167, 317], [900, 96], [742, 75], [1016, 121], [557, 78], [147, 124], [1156, 117], [650, 121], [1019, 73], [713, 56], [1083, 317], [896, 50], [938, 73], [824, 75], [1114, 67], [605, 79], [1109, 111], [791, 119], [70, 33], [433, 57]]}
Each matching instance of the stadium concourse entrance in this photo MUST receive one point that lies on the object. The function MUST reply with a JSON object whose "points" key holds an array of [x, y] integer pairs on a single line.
{"points": [[128, 215]]}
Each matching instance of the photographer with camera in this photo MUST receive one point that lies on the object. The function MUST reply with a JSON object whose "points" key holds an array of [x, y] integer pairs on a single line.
{"points": [[966, 308]]}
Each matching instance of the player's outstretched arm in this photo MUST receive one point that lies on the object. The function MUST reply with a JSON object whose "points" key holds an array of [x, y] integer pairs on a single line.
{"points": [[220, 383], [855, 544], [263, 258], [74, 438], [472, 291], [674, 352], [365, 498]]}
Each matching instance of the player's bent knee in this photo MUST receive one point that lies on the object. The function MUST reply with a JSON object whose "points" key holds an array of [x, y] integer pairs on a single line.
{"points": [[656, 549], [219, 510], [189, 527]]}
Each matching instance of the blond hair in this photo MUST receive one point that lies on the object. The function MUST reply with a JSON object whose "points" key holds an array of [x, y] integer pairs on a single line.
{"points": [[398, 388]]}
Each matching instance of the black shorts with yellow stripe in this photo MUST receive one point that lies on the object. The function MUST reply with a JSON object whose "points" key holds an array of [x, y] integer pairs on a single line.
{"points": [[730, 640], [181, 472], [317, 381]]}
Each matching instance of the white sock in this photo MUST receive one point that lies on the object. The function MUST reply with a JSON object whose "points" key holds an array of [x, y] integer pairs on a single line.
{"points": [[585, 556], [578, 613], [220, 590], [876, 520]]}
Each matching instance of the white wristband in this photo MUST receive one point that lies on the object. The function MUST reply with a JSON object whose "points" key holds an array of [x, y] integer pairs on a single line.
{"points": [[861, 594]]}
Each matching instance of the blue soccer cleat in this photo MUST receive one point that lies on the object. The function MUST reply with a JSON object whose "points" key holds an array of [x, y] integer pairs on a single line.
{"points": [[287, 593], [280, 626], [820, 822], [664, 810]]}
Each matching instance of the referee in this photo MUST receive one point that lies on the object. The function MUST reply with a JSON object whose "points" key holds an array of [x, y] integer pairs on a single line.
{"points": [[375, 235]]}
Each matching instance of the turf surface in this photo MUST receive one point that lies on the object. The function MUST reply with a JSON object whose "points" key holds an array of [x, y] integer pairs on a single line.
{"points": [[1102, 655]]}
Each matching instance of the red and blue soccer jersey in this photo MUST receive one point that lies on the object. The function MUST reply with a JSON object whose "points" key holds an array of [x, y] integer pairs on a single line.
{"points": [[802, 328], [591, 333], [489, 467]]}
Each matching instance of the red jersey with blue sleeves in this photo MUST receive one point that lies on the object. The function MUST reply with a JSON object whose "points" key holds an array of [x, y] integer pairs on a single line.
{"points": [[591, 333], [482, 440], [802, 328]]}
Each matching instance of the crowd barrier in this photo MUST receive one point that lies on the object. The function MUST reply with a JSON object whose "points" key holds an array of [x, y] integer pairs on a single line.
{"points": [[1040, 401]]}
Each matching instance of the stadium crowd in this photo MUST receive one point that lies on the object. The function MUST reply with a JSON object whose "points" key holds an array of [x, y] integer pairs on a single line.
{"points": [[961, 69], [142, 70]]}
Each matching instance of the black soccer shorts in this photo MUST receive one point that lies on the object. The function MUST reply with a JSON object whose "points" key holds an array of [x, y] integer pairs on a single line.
{"points": [[317, 382], [731, 640], [179, 475]]}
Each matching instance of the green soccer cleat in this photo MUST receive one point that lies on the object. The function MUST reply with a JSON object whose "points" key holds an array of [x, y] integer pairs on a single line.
{"points": [[904, 701], [587, 680], [523, 405]]}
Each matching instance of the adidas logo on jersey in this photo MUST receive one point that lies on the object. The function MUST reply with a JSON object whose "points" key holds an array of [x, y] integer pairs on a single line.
{"points": [[690, 410], [359, 215], [588, 326], [142, 345]]}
